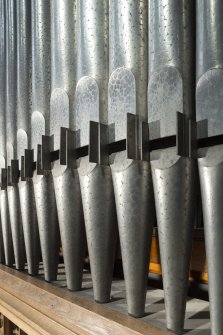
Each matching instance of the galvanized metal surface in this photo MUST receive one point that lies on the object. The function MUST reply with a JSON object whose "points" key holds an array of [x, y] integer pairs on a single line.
{"points": [[95, 180], [24, 108], [209, 109], [16, 226], [171, 62], [132, 180], [174, 180], [48, 224], [209, 67], [2, 106], [66, 180], [30, 226], [171, 89], [128, 47], [135, 211], [11, 80], [6, 229], [40, 125], [211, 180], [101, 225], [11, 123]]}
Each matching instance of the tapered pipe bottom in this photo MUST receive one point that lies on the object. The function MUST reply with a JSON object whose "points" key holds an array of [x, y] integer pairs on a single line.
{"points": [[71, 222], [211, 181], [174, 180], [101, 225], [135, 211], [30, 225], [48, 224], [16, 227], [6, 229]]}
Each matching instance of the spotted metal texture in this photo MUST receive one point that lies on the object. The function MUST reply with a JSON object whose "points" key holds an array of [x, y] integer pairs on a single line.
{"points": [[6, 229], [101, 225], [128, 68], [92, 46], [172, 44], [209, 60], [66, 180], [2, 107], [59, 114], [95, 180], [16, 226], [128, 45], [211, 181], [135, 211], [11, 52], [63, 52], [174, 180], [209, 108], [209, 36], [30, 226], [24, 63], [71, 221], [165, 95], [40, 125], [48, 224], [121, 100], [209, 95], [2, 85], [87, 106], [41, 69]]}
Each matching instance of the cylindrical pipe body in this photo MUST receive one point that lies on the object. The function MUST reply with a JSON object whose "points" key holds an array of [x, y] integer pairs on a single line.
{"points": [[11, 80], [41, 73], [128, 45]]}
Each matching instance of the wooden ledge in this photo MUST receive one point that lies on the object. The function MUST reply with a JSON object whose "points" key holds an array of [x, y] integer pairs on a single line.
{"points": [[41, 308]]}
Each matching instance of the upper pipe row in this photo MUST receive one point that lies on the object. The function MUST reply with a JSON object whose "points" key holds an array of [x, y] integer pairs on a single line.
{"points": [[48, 45]]}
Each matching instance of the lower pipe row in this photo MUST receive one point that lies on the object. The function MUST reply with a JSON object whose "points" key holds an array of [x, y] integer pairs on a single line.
{"points": [[125, 187]]}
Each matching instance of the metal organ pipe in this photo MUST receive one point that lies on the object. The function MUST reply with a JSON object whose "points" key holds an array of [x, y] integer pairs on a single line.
{"points": [[171, 89], [24, 109], [66, 178], [40, 125], [128, 68], [6, 238], [209, 115], [11, 122], [95, 174]]}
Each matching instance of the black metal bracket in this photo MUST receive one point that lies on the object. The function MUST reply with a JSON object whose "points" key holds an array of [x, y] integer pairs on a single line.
{"points": [[98, 144], [44, 155], [4, 179], [186, 136], [67, 153], [137, 142]]}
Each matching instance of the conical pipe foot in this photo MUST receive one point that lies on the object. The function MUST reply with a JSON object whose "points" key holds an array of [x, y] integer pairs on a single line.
{"points": [[30, 226], [16, 227], [135, 210], [48, 224], [6, 229], [174, 180], [101, 225], [71, 221]]}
